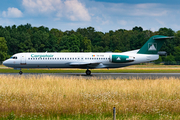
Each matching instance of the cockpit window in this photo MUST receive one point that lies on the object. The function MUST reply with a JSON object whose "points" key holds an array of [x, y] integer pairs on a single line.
{"points": [[13, 57]]}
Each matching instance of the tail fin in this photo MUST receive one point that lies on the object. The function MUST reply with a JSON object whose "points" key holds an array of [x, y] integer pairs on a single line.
{"points": [[153, 45]]}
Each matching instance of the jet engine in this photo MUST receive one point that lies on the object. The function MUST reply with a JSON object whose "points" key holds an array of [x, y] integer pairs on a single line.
{"points": [[121, 58]]}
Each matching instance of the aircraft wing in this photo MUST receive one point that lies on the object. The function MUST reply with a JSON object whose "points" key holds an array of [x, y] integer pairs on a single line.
{"points": [[85, 64]]}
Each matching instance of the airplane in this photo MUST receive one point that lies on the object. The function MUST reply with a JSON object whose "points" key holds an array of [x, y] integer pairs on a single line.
{"points": [[148, 52]]}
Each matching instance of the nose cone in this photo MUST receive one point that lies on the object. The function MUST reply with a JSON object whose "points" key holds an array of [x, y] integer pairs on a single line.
{"points": [[6, 63]]}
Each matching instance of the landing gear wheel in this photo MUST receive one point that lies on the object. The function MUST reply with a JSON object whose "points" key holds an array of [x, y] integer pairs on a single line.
{"points": [[20, 72], [88, 72]]}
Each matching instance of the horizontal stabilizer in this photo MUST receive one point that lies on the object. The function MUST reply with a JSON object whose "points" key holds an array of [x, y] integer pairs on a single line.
{"points": [[164, 37]]}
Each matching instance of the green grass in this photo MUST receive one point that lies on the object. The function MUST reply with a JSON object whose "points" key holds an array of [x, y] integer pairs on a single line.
{"points": [[93, 71], [12, 116]]}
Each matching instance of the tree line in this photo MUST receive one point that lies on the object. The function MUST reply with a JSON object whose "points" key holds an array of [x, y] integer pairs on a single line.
{"points": [[25, 38]]}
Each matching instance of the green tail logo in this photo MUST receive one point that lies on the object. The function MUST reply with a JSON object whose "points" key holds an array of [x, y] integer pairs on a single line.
{"points": [[153, 45]]}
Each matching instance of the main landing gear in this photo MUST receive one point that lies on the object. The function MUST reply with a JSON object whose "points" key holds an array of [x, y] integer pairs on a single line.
{"points": [[20, 72], [88, 72]]}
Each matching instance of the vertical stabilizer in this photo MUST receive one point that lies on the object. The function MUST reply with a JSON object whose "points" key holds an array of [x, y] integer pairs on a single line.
{"points": [[153, 45]]}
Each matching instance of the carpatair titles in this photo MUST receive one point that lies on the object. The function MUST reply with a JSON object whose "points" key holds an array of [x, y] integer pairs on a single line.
{"points": [[40, 56]]}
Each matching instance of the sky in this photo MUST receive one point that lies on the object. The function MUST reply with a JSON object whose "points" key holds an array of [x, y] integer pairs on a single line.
{"points": [[103, 15]]}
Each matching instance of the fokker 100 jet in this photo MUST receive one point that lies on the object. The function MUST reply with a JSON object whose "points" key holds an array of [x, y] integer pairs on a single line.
{"points": [[148, 52]]}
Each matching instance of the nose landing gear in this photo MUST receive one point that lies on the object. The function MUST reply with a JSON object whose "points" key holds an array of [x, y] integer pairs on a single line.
{"points": [[20, 72], [88, 72]]}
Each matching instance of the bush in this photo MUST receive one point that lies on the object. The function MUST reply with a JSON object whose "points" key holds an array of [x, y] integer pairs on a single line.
{"points": [[170, 60]]}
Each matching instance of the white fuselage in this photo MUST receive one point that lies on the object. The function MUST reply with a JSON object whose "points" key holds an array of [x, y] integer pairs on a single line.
{"points": [[73, 60]]}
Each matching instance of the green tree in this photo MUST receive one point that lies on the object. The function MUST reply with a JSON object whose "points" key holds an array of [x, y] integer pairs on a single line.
{"points": [[170, 60], [64, 43], [40, 41], [166, 31], [51, 45], [71, 43], [3, 49], [139, 29], [25, 43], [177, 53], [98, 49], [25, 38], [74, 43], [86, 45], [65, 51]]}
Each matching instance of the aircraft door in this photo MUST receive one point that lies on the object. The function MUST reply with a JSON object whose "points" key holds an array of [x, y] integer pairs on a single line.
{"points": [[23, 60]]}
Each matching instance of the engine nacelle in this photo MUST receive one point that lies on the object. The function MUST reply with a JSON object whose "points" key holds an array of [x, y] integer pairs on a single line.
{"points": [[121, 58]]}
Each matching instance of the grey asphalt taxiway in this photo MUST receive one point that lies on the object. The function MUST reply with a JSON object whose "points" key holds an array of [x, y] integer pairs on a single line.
{"points": [[105, 75]]}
